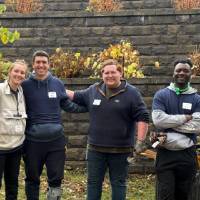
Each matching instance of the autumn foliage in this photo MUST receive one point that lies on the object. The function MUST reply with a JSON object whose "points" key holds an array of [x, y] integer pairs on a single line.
{"points": [[24, 6], [74, 64], [186, 4], [195, 58], [104, 5], [126, 54]]}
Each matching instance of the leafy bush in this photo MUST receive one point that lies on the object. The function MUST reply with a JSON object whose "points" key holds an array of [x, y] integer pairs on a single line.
{"points": [[186, 4], [195, 57], [104, 5], [4, 66], [25, 6], [126, 54], [67, 64], [7, 36]]}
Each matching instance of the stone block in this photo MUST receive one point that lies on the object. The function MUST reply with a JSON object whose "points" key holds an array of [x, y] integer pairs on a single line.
{"points": [[69, 117], [77, 154], [113, 31], [159, 49], [149, 4], [163, 4], [146, 40], [148, 60], [63, 22], [148, 101], [183, 39], [67, 31], [145, 50], [62, 41], [183, 19], [136, 30], [168, 39], [23, 52], [176, 49], [51, 32], [132, 4], [191, 28], [173, 29], [195, 39], [25, 32], [98, 30], [80, 31], [195, 19], [135, 20], [69, 165], [99, 21], [159, 20], [25, 42], [77, 141], [77, 128]]}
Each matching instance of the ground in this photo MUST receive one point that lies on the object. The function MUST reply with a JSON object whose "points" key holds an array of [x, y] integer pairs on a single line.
{"points": [[140, 187]]}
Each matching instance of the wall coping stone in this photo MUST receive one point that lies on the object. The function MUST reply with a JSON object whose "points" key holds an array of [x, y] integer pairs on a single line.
{"points": [[80, 14]]}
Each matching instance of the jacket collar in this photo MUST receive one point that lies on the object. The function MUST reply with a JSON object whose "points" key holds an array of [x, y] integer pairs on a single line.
{"points": [[7, 88], [101, 87], [190, 90]]}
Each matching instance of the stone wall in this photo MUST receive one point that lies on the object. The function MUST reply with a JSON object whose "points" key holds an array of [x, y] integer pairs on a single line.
{"points": [[157, 30], [76, 125]]}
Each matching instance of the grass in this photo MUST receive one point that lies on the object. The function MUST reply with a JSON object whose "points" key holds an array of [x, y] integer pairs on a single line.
{"points": [[140, 187]]}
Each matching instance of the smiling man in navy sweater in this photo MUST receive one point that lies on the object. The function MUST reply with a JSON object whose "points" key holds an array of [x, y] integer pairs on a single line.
{"points": [[115, 109], [45, 96], [176, 112]]}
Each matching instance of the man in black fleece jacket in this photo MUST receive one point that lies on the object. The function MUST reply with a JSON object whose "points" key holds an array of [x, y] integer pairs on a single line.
{"points": [[45, 96], [115, 108]]}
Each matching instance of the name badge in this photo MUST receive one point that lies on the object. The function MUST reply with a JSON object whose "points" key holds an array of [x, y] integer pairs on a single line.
{"points": [[97, 102], [52, 95], [187, 106]]}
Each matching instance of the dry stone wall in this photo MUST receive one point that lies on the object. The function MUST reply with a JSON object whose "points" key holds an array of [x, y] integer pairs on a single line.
{"points": [[157, 30]]}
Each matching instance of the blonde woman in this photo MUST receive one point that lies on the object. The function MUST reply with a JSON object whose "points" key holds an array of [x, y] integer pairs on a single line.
{"points": [[12, 127]]}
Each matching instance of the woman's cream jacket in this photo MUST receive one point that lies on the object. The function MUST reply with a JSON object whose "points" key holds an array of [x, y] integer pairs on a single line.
{"points": [[12, 118]]}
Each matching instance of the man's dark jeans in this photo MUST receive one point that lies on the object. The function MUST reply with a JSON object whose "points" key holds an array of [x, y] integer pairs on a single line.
{"points": [[97, 164]]}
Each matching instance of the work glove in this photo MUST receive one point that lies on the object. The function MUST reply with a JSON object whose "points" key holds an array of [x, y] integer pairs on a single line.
{"points": [[140, 146]]}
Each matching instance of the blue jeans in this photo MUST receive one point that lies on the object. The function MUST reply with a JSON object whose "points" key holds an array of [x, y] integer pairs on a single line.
{"points": [[97, 164]]}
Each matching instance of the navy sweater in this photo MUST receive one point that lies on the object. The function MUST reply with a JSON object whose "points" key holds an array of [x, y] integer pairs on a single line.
{"points": [[112, 120], [44, 100], [171, 103]]}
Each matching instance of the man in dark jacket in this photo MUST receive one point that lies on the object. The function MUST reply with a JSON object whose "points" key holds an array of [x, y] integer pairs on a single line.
{"points": [[115, 108], [45, 96], [176, 113]]}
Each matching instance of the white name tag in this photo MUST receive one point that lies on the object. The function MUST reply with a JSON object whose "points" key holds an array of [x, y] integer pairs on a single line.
{"points": [[97, 102], [52, 95], [187, 106]]}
